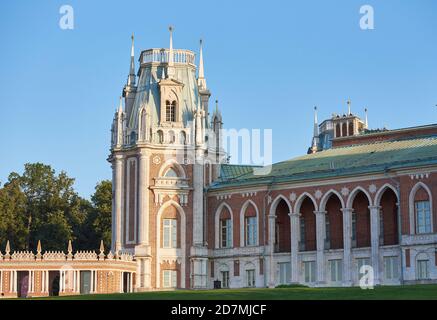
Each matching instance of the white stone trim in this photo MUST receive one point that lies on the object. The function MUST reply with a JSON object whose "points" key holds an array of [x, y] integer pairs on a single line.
{"points": [[300, 200], [182, 257], [412, 213], [242, 225], [217, 224], [327, 196], [128, 191], [353, 194], [169, 164], [381, 191]]}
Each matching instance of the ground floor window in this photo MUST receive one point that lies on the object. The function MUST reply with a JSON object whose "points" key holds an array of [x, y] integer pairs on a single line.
{"points": [[309, 268], [391, 271], [284, 272], [225, 279], [170, 279], [422, 270], [250, 278], [336, 268]]}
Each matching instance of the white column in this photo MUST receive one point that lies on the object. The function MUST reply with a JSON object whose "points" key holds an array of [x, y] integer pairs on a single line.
{"points": [[374, 233], [143, 199], [320, 237], [118, 172], [294, 226], [47, 281], [198, 200], [347, 246], [272, 225], [29, 281], [74, 280], [92, 282], [130, 282], [1, 281]]}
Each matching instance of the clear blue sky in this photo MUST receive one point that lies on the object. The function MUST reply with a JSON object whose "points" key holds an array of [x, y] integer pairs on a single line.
{"points": [[268, 62]]}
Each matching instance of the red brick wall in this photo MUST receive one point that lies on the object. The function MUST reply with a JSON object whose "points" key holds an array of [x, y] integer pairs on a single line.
{"points": [[361, 209], [389, 212], [335, 216], [283, 225], [307, 211]]}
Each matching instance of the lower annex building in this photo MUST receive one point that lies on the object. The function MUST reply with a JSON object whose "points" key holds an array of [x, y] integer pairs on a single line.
{"points": [[184, 218]]}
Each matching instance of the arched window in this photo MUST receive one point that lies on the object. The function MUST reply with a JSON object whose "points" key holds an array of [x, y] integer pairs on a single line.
{"points": [[351, 128], [225, 229], [250, 226], [422, 211], [183, 138], [344, 129], [337, 130], [171, 137], [170, 111], [171, 173], [160, 136]]}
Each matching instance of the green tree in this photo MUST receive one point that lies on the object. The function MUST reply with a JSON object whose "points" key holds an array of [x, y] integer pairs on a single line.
{"points": [[102, 215]]}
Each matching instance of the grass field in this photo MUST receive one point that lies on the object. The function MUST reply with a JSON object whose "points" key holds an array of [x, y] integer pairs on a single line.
{"points": [[411, 292]]}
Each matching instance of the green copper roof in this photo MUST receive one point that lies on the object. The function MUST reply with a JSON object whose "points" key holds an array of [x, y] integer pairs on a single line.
{"points": [[342, 161]]}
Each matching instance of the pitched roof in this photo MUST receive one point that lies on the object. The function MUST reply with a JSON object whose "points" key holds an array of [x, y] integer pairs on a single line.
{"points": [[369, 158]]}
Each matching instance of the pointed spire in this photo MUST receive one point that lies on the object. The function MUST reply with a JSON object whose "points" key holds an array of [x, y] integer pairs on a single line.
{"points": [[201, 81], [70, 247], [314, 145], [170, 66], [366, 122], [120, 106], [38, 247], [316, 124], [102, 247], [8, 248], [131, 78], [349, 107]]}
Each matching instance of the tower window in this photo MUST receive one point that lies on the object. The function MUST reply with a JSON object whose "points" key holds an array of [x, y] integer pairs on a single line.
{"points": [[170, 111]]}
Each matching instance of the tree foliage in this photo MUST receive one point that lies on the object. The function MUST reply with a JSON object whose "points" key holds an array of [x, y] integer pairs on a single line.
{"points": [[42, 205]]}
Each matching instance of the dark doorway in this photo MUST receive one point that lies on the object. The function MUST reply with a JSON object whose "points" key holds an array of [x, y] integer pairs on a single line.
{"points": [[54, 283], [126, 282], [23, 283], [85, 282]]}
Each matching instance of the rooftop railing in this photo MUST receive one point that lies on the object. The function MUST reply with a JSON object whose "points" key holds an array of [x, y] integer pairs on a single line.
{"points": [[180, 56]]}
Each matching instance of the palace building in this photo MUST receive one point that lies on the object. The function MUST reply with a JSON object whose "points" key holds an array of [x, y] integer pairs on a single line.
{"points": [[183, 217]]}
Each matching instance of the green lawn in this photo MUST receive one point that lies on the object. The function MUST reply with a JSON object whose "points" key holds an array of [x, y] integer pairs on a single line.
{"points": [[294, 293]]}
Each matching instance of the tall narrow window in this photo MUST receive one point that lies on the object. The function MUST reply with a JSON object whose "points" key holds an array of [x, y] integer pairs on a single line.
{"points": [[391, 271], [250, 278], [422, 270], [336, 268], [423, 217], [360, 263], [170, 111], [327, 232], [251, 233], [169, 233], [226, 233], [225, 279], [170, 279], [354, 228], [309, 268]]}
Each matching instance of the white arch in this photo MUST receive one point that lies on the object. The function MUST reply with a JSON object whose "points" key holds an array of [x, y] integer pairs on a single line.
{"points": [[217, 224], [326, 198], [411, 197], [352, 195], [172, 163], [242, 226], [275, 203], [301, 199], [174, 253], [381, 191]]}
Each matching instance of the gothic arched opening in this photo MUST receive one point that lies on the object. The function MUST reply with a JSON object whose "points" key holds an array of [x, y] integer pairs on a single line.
{"points": [[389, 218], [361, 221], [334, 223], [282, 228], [307, 226]]}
